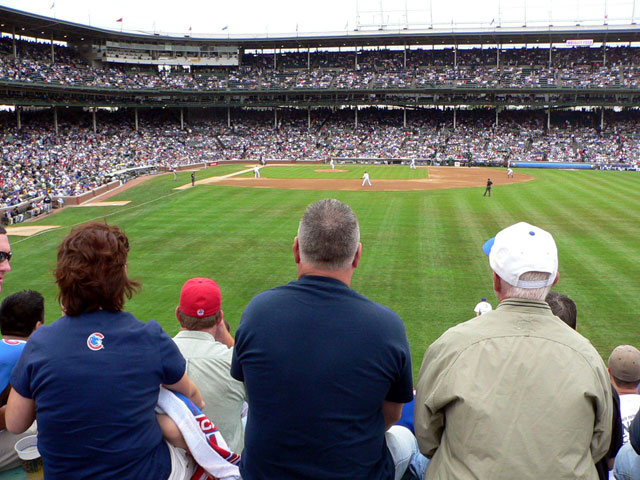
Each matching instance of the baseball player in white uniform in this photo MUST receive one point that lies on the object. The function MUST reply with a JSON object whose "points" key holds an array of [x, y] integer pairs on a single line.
{"points": [[509, 173], [482, 307], [256, 172], [365, 179], [333, 165], [412, 165]]}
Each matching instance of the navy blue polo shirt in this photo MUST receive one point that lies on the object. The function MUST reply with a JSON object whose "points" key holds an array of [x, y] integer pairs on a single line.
{"points": [[318, 360]]}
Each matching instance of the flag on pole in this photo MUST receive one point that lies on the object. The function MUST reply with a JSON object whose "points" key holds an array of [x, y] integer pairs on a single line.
{"points": [[225, 27], [52, 5], [119, 20]]}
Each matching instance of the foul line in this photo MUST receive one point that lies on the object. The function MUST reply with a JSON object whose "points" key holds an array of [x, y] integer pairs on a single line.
{"points": [[95, 218]]}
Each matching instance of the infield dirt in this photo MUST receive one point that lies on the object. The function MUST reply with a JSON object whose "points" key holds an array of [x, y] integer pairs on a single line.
{"points": [[439, 178]]}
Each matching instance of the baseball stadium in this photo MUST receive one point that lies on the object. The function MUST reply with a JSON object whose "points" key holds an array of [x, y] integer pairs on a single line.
{"points": [[207, 149]]}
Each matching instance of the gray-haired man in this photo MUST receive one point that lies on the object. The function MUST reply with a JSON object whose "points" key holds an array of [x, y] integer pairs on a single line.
{"points": [[326, 369], [514, 393]]}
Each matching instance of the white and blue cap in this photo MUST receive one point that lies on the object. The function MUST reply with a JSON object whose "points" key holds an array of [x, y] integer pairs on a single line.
{"points": [[523, 248]]}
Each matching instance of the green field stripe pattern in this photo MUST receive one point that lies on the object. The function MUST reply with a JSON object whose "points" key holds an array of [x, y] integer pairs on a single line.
{"points": [[422, 253], [377, 172]]}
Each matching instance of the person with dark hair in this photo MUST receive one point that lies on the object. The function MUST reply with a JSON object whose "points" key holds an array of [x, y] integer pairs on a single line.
{"points": [[207, 345], [94, 374], [5, 255], [563, 307], [327, 370], [21, 314]]}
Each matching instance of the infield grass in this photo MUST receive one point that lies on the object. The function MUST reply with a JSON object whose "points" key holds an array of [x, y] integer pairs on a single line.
{"points": [[422, 253], [377, 172]]}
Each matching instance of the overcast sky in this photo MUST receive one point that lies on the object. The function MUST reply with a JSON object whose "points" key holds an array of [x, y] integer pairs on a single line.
{"points": [[271, 17]]}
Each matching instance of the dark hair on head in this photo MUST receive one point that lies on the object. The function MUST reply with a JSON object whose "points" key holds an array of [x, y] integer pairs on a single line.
{"points": [[198, 323], [20, 312], [563, 307], [91, 271]]}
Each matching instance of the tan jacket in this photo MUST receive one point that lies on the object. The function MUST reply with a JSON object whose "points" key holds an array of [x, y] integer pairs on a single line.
{"points": [[513, 394]]}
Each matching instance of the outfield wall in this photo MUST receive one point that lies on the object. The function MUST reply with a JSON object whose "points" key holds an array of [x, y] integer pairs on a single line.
{"points": [[557, 165]]}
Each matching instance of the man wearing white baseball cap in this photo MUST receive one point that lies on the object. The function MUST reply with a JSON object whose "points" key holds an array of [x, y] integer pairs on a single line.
{"points": [[514, 393]]}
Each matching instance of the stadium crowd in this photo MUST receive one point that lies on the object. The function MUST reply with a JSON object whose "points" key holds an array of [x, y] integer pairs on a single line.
{"points": [[36, 162], [296, 396], [515, 68]]}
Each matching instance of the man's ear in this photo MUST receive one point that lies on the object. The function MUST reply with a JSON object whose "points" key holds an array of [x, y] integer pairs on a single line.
{"points": [[178, 315], [38, 325], [496, 282], [296, 250], [358, 256]]}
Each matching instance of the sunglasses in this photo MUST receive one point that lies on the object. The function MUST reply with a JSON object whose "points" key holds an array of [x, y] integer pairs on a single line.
{"points": [[5, 256]]}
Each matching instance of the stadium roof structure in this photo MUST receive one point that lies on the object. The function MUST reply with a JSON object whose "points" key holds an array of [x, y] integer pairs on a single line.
{"points": [[32, 25]]}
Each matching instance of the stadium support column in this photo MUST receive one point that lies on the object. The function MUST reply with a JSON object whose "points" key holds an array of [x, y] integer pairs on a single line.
{"points": [[182, 119], [356, 118], [498, 56], [356, 58], [455, 56], [548, 118], [53, 53], [18, 119], [604, 54], [308, 58], [229, 117], [135, 112], [404, 120], [602, 119], [455, 118], [550, 49], [404, 64], [15, 48], [275, 59], [55, 119], [275, 118], [497, 116], [93, 115], [309, 118]]}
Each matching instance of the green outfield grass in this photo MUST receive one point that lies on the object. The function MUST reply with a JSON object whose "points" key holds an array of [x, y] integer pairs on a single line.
{"points": [[377, 172], [422, 250]]}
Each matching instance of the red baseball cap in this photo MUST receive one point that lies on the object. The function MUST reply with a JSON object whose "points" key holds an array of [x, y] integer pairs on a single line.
{"points": [[200, 297]]}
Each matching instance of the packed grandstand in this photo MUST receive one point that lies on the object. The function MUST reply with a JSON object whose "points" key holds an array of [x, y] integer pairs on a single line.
{"points": [[125, 105]]}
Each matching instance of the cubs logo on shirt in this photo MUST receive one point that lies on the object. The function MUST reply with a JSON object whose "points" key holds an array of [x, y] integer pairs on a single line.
{"points": [[12, 342], [94, 341]]}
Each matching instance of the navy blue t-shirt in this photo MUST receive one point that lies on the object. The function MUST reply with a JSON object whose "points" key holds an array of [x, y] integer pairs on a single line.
{"points": [[95, 380], [318, 360]]}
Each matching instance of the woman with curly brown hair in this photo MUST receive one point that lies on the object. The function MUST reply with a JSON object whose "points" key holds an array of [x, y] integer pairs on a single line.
{"points": [[93, 375]]}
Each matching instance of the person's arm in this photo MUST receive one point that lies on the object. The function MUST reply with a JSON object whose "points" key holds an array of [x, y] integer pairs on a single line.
{"points": [[186, 387], [603, 402], [222, 334], [20, 412], [634, 433], [391, 411]]}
